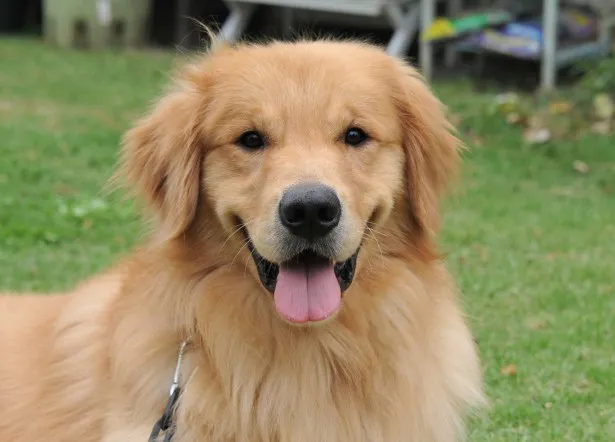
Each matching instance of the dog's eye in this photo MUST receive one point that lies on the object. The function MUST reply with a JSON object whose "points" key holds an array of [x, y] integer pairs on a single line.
{"points": [[251, 140], [355, 137]]}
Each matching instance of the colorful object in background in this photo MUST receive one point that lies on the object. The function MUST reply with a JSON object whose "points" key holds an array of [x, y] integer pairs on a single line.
{"points": [[578, 24], [444, 28], [518, 46], [523, 39], [502, 43], [530, 29]]}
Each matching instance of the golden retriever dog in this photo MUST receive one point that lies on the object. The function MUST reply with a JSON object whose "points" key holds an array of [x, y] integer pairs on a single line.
{"points": [[294, 192]]}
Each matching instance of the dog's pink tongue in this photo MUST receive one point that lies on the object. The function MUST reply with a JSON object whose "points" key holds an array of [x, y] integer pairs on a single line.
{"points": [[307, 293]]}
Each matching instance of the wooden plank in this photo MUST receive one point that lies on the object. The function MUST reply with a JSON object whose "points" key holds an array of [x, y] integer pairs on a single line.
{"points": [[371, 8]]}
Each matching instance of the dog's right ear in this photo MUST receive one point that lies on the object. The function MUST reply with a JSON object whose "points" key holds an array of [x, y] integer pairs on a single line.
{"points": [[432, 149], [162, 155]]}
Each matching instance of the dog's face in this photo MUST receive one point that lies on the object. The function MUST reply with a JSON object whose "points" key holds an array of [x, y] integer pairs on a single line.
{"points": [[298, 151]]}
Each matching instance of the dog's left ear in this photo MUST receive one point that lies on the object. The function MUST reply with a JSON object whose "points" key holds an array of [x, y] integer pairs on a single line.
{"points": [[431, 148], [162, 154]]}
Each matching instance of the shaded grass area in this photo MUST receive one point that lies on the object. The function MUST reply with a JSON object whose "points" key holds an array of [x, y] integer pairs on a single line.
{"points": [[529, 238]]}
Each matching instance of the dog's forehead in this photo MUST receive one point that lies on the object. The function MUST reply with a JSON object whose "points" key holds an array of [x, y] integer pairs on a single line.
{"points": [[338, 66], [316, 79]]}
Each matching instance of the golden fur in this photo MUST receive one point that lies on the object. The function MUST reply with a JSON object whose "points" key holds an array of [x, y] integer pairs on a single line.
{"points": [[396, 364]]}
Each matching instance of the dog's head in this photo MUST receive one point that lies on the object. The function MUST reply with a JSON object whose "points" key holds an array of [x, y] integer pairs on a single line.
{"points": [[297, 152]]}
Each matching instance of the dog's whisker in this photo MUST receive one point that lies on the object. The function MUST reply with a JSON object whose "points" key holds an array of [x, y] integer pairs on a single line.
{"points": [[237, 230], [378, 231], [228, 239], [245, 244], [371, 232], [245, 267]]}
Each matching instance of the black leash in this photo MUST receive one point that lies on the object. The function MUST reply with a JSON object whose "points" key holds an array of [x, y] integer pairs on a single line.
{"points": [[166, 424]]}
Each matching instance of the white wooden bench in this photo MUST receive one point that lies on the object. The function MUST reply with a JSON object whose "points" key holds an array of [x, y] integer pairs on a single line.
{"points": [[402, 15]]}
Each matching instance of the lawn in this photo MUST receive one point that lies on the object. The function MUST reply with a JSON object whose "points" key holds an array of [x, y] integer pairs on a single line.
{"points": [[529, 238]]}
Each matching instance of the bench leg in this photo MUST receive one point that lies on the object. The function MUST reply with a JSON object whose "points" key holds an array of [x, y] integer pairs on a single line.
{"points": [[450, 56], [405, 27], [548, 69], [237, 21], [425, 50]]}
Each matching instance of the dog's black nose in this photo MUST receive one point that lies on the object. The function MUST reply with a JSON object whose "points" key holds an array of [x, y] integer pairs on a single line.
{"points": [[310, 210]]}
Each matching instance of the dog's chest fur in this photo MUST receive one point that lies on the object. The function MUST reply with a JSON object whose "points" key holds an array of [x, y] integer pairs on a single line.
{"points": [[337, 387], [312, 399]]}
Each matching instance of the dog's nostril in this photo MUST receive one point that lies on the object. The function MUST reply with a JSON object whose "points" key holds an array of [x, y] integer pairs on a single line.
{"points": [[310, 210], [327, 214], [295, 214]]}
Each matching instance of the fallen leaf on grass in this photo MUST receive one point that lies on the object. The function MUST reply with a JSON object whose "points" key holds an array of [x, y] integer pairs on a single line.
{"points": [[508, 97], [62, 189], [505, 104], [6, 105], [580, 166], [483, 253], [601, 127], [603, 106], [514, 118], [563, 191], [536, 323], [582, 386], [537, 136], [509, 370], [560, 107], [537, 121]]}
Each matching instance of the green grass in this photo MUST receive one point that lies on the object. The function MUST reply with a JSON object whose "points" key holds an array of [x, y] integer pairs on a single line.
{"points": [[530, 240]]}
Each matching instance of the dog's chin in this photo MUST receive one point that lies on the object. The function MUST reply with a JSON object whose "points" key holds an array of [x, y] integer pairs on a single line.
{"points": [[306, 288]]}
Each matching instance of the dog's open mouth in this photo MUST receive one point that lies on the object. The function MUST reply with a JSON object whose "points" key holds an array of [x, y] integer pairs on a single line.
{"points": [[307, 288]]}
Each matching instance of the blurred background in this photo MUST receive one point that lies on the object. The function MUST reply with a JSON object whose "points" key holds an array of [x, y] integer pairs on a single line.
{"points": [[529, 230]]}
